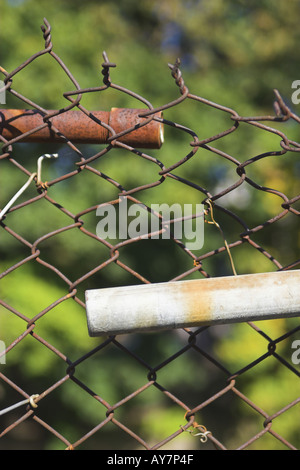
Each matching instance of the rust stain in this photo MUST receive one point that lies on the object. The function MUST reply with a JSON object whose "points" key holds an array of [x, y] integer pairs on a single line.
{"points": [[203, 297], [198, 297], [151, 134]]}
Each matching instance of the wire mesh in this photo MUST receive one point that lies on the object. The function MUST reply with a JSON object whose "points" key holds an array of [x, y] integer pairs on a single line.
{"points": [[208, 396]]}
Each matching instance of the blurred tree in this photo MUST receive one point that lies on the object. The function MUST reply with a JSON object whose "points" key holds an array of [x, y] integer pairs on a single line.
{"points": [[233, 53]]}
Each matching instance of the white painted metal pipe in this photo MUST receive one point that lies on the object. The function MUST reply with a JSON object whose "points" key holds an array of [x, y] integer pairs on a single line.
{"points": [[150, 307]]}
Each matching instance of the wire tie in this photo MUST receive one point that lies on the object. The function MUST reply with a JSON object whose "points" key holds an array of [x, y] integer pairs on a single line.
{"points": [[214, 222], [70, 447], [30, 400], [39, 168], [25, 186], [204, 432], [17, 195], [203, 435]]}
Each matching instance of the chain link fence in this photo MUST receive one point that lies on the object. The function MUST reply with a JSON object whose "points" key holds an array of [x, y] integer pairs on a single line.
{"points": [[178, 389]]}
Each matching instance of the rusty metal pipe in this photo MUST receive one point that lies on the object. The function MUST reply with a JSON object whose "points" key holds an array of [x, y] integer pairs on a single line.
{"points": [[80, 128], [222, 300]]}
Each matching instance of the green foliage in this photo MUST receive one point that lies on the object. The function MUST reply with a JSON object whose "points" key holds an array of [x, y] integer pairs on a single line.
{"points": [[233, 53]]}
